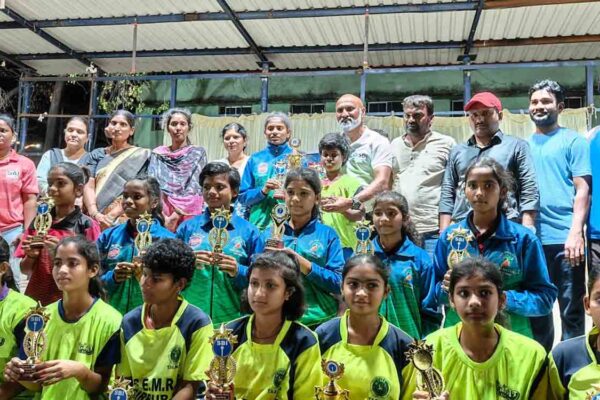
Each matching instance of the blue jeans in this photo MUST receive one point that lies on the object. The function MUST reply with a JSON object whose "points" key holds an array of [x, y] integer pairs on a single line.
{"points": [[571, 289], [10, 236], [430, 240]]}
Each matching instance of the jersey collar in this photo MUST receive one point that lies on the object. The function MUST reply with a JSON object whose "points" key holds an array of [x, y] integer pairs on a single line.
{"points": [[278, 149], [280, 336], [592, 334], [383, 330], [176, 317]]}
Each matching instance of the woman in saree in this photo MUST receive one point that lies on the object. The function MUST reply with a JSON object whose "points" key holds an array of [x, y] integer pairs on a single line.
{"points": [[111, 167], [177, 168]]}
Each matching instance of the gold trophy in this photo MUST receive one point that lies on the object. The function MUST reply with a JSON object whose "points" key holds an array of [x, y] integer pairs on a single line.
{"points": [[363, 231], [459, 241], [429, 379], [281, 170], [120, 390], [218, 236], [34, 342], [279, 215], [42, 221], [332, 391], [295, 159], [223, 366], [142, 241]]}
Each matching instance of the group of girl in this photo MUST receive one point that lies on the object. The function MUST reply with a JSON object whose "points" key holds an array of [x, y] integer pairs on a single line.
{"points": [[273, 298]]}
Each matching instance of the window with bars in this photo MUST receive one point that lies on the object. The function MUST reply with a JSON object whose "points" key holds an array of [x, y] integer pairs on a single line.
{"points": [[234, 111], [307, 108], [384, 106]]}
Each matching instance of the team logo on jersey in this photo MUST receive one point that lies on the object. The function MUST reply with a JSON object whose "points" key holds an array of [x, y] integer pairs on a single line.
{"points": [[195, 240], [508, 266], [316, 248], [114, 251], [279, 377], [86, 349], [380, 386], [262, 169], [236, 246], [174, 356], [504, 392]]}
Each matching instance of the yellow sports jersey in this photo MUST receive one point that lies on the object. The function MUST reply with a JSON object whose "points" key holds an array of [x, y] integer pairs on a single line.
{"points": [[516, 369], [157, 359], [371, 372], [573, 368], [92, 340], [290, 368]]}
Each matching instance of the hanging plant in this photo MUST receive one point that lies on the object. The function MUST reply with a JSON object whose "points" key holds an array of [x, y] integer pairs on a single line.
{"points": [[129, 95]]}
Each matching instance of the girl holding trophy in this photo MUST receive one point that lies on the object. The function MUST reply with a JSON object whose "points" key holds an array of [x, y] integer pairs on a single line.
{"points": [[315, 246], [81, 331], [63, 218], [119, 254]]}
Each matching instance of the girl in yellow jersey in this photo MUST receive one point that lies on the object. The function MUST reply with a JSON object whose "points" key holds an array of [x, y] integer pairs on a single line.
{"points": [[82, 334], [277, 357], [371, 349], [478, 358], [13, 307]]}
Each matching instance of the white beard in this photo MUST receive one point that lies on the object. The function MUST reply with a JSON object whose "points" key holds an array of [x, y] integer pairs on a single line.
{"points": [[350, 123]]}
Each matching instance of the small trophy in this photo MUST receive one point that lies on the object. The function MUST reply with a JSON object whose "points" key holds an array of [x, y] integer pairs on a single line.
{"points": [[142, 241], [120, 389], [281, 170], [279, 215], [222, 367], [363, 232], [332, 391], [34, 342], [295, 159], [218, 236], [429, 379], [459, 240], [42, 221]]}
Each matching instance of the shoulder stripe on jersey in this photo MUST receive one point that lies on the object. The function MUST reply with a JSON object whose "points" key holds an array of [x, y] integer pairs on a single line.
{"points": [[541, 373], [132, 323], [297, 340], [329, 334], [570, 356], [238, 327], [395, 343], [191, 320]]}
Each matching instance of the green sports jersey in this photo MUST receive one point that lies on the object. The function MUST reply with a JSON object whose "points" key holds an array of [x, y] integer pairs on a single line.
{"points": [[92, 340], [290, 368], [573, 368], [371, 371], [13, 308], [517, 369], [157, 359], [345, 186]]}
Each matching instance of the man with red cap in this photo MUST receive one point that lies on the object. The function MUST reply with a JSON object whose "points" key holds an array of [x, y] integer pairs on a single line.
{"points": [[485, 113]]}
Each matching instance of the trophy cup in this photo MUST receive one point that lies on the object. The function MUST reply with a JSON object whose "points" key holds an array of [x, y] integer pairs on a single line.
{"points": [[120, 390], [281, 169], [279, 215], [459, 240], [142, 241], [363, 232], [223, 366], [34, 342], [295, 159], [332, 391], [218, 236], [42, 221], [429, 379]]}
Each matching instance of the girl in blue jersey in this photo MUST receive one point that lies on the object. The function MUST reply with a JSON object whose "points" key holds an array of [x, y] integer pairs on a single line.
{"points": [[514, 249], [412, 279], [371, 349], [575, 363], [121, 275], [315, 246], [82, 333], [478, 358], [13, 308], [276, 356], [260, 190]]}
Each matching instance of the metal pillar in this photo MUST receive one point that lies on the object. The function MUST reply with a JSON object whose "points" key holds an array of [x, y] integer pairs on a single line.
{"points": [[589, 85], [91, 144], [264, 88], [173, 98], [27, 90], [363, 86], [467, 86]]}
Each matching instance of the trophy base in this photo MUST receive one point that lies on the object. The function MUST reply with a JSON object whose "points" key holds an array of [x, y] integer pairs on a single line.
{"points": [[28, 371], [37, 241], [275, 243], [223, 396]]}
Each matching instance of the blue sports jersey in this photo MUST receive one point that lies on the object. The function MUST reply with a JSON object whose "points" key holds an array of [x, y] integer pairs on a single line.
{"points": [[594, 221]]}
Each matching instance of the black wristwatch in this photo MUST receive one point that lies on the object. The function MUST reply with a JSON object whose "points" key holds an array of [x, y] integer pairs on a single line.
{"points": [[355, 204]]}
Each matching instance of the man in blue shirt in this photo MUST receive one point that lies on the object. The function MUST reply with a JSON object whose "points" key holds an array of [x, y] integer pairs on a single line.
{"points": [[562, 162], [594, 222]]}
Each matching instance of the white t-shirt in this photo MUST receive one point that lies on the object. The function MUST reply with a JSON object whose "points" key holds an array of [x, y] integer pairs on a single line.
{"points": [[370, 151]]}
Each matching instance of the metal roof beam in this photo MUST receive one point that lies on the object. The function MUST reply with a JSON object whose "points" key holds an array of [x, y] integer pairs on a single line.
{"points": [[473, 30], [12, 60], [250, 15], [537, 41], [495, 4], [48, 38]]}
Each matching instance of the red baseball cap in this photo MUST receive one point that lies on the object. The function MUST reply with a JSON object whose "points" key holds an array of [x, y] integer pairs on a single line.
{"points": [[486, 99]]}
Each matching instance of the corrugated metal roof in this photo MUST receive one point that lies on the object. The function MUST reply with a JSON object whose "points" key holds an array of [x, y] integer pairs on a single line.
{"points": [[195, 63], [575, 51], [173, 35], [4, 18], [15, 41], [540, 21], [57, 67], [411, 28], [61, 9], [255, 5]]}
